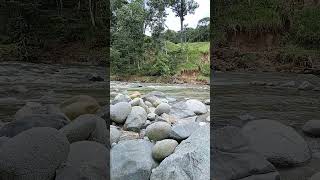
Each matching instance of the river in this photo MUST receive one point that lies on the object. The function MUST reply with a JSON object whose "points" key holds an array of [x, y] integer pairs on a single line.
{"points": [[235, 96]]}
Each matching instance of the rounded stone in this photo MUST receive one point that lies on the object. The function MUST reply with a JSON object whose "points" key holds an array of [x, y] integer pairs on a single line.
{"points": [[163, 149], [120, 111], [158, 131], [79, 105], [162, 108], [33, 154], [196, 106]]}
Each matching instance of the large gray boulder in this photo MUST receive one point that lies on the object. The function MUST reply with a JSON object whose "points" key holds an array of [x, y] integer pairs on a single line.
{"points": [[136, 119], [132, 160], [86, 160], [183, 130], [196, 106], [81, 128], [15, 127], [158, 131], [33, 154], [234, 159], [191, 159], [279, 144], [180, 110], [120, 111]]}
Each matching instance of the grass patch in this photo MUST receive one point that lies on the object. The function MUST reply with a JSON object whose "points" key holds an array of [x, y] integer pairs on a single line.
{"points": [[196, 52]]}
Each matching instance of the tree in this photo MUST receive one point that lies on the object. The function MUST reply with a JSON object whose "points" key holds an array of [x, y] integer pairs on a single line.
{"points": [[128, 37], [181, 8]]}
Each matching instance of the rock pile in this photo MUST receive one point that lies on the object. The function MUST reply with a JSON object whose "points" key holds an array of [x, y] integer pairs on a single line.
{"points": [[150, 135], [154, 137]]}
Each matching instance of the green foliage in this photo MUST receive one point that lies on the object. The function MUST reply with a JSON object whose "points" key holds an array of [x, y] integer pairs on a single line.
{"points": [[128, 39], [249, 16], [161, 66], [306, 27]]}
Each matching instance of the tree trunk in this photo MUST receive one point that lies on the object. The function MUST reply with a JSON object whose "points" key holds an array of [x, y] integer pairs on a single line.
{"points": [[91, 14], [182, 31], [79, 6], [61, 6]]}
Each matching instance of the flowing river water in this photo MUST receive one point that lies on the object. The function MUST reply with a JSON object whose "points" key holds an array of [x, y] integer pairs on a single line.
{"points": [[235, 96]]}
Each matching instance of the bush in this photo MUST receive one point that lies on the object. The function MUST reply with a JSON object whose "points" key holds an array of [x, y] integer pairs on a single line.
{"points": [[305, 29]]}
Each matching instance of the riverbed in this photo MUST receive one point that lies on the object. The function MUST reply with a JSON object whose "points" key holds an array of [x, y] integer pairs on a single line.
{"points": [[238, 99], [52, 84]]}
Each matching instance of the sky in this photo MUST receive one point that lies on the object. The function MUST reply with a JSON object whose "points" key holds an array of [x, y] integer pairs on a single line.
{"points": [[202, 11], [191, 20]]}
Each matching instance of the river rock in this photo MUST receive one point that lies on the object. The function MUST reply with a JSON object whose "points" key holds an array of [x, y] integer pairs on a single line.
{"points": [[79, 105], [31, 108], [33, 154], [132, 160], [162, 108], [196, 106], [315, 176], [207, 102], [135, 119], [163, 149], [135, 94], [13, 128], [305, 85], [279, 144], [151, 116], [190, 160], [180, 110], [155, 101], [81, 128], [144, 106], [94, 77], [115, 134], [121, 98], [86, 160], [128, 135], [135, 102], [148, 104], [158, 131], [166, 118], [181, 131], [120, 111], [234, 159], [104, 113], [312, 127], [100, 134]]}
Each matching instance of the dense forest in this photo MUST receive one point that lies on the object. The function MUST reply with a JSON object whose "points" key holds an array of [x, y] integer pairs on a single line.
{"points": [[263, 35], [163, 53], [64, 31]]}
